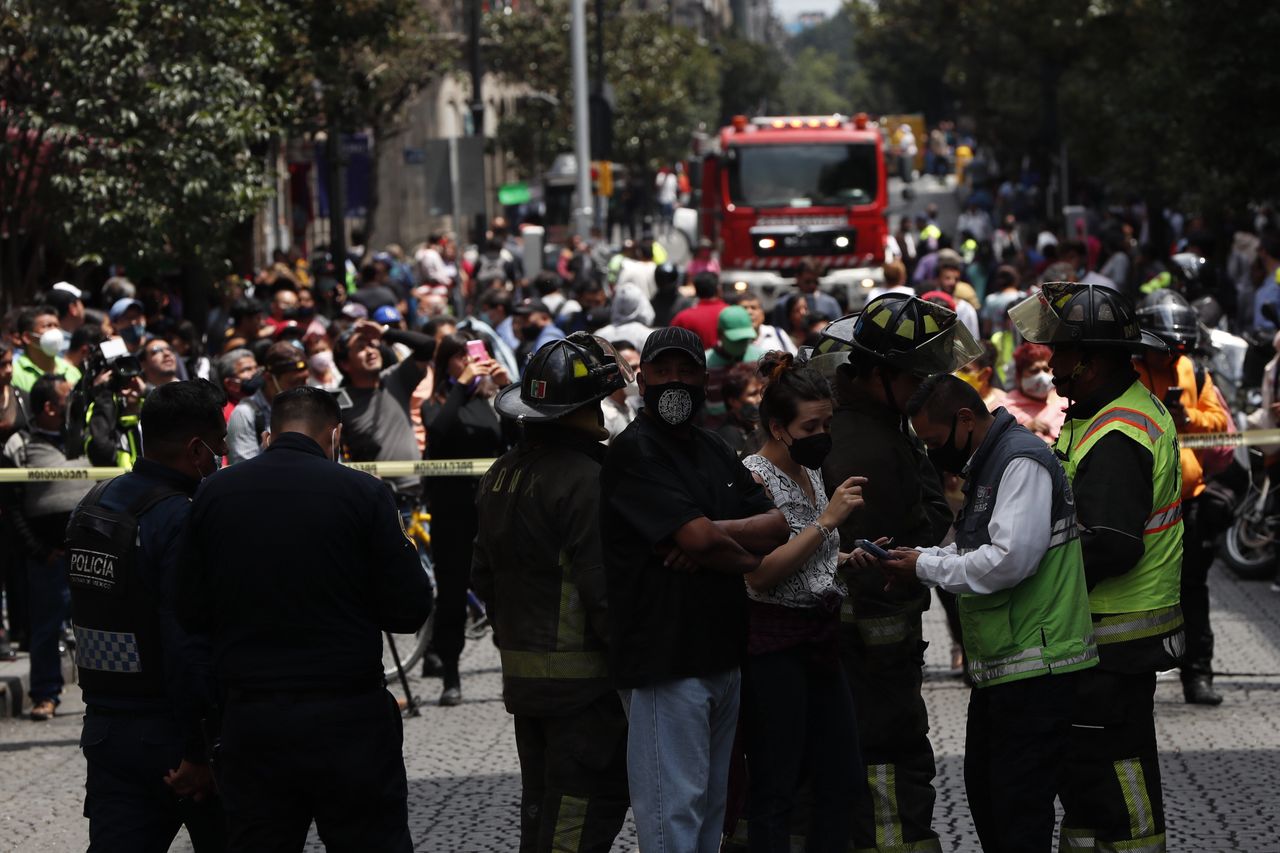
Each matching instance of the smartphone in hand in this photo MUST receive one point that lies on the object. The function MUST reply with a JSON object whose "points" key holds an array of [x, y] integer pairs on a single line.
{"points": [[872, 548], [477, 351], [1173, 396]]}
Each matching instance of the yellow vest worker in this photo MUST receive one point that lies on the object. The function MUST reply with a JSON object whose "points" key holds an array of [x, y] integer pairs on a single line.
{"points": [[1119, 448]]}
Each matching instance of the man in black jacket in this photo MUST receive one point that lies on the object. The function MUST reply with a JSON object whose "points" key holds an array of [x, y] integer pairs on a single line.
{"points": [[148, 684], [309, 730]]}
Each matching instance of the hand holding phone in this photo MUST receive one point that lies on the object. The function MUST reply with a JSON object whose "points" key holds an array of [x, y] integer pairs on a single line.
{"points": [[477, 351], [871, 548], [1173, 396]]}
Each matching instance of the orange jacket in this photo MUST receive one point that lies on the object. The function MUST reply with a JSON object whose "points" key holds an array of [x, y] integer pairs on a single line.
{"points": [[1204, 412]]}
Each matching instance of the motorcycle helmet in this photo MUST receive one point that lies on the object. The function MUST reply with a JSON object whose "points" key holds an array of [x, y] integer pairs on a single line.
{"points": [[1167, 315]]}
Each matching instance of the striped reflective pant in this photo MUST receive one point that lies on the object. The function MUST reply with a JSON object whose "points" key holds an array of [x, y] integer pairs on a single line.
{"points": [[573, 779], [1111, 793]]}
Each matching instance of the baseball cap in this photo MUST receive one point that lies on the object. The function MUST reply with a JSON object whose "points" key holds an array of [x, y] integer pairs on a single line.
{"points": [[735, 324], [355, 311], [68, 287], [531, 306], [674, 338], [387, 314], [121, 306], [284, 357]]}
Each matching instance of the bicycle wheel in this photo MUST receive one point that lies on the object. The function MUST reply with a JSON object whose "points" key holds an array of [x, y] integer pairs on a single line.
{"points": [[410, 647]]}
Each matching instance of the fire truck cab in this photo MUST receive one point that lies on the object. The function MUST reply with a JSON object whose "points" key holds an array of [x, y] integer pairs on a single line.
{"points": [[779, 190]]}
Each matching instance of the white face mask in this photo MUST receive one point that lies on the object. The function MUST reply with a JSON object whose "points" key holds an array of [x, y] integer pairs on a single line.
{"points": [[1037, 385], [333, 445], [51, 342]]}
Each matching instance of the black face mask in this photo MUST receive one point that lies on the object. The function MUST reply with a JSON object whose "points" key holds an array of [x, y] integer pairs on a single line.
{"points": [[749, 413], [530, 332], [810, 451], [948, 457], [252, 386], [674, 403]]}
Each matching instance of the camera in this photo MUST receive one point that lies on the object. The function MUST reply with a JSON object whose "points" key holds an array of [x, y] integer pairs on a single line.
{"points": [[114, 356]]}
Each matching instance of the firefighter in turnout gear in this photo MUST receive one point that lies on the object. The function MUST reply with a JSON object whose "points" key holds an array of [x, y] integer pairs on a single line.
{"points": [[878, 359], [538, 567], [1119, 447]]}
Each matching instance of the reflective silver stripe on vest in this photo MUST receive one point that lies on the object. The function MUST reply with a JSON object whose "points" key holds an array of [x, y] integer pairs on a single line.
{"points": [[1136, 626], [1027, 660], [1129, 416], [1162, 519], [1064, 531], [1151, 844], [1090, 653], [106, 651]]}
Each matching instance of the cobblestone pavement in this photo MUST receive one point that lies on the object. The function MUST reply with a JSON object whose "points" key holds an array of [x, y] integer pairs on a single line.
{"points": [[1221, 766]]}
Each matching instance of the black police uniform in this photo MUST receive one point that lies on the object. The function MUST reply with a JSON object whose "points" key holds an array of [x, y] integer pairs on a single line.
{"points": [[537, 565], [147, 683], [295, 565]]}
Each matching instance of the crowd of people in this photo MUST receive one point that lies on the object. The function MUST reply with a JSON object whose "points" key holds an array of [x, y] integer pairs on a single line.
{"points": [[705, 547]]}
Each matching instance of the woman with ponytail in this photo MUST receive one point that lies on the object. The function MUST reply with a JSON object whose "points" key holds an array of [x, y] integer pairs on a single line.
{"points": [[797, 708]]}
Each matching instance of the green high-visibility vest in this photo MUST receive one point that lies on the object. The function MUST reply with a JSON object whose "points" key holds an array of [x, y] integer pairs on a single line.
{"points": [[1144, 601], [1040, 626]]}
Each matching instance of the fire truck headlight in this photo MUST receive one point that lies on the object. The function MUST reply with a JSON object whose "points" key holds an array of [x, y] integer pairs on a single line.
{"points": [[842, 242], [767, 243], [739, 286]]}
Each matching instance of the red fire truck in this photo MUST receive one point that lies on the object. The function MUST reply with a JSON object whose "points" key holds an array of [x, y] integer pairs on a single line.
{"points": [[777, 190]]}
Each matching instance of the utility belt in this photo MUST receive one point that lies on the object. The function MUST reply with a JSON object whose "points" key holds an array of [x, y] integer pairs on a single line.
{"points": [[326, 694]]}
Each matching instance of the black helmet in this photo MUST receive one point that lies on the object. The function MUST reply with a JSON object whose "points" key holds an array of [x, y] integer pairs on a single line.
{"points": [[1191, 269], [904, 332], [1068, 312], [564, 376], [1167, 315], [666, 274]]}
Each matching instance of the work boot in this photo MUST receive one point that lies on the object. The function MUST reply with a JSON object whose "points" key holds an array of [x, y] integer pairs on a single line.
{"points": [[432, 666], [452, 695], [1198, 690]]}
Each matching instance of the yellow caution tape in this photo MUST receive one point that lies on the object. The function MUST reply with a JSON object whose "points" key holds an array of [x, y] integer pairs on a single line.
{"points": [[1248, 438], [413, 468]]}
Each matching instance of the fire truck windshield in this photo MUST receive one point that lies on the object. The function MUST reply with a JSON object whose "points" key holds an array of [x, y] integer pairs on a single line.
{"points": [[802, 175]]}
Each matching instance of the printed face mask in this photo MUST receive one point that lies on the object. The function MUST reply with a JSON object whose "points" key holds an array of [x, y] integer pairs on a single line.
{"points": [[674, 403]]}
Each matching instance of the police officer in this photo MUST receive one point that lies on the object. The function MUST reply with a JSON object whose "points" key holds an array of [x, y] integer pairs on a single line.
{"points": [[147, 682], [1016, 566], [878, 359], [1119, 448], [537, 564], [1186, 388], [309, 731]]}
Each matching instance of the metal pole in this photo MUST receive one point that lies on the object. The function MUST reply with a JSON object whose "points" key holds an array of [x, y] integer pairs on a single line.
{"points": [[581, 117], [477, 110]]}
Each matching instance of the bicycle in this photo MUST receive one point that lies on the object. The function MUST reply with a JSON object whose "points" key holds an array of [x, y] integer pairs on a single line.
{"points": [[410, 648]]}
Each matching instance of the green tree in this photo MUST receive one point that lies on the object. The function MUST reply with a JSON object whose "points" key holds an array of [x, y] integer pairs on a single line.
{"points": [[131, 130], [666, 83], [750, 78]]}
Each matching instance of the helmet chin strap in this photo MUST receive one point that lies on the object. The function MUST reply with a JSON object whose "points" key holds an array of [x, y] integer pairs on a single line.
{"points": [[1071, 430]]}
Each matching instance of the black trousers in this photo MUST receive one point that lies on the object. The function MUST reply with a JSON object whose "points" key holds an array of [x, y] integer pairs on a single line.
{"points": [[800, 726], [1015, 747], [573, 779], [285, 762], [1111, 788], [127, 802], [453, 538], [1197, 558], [893, 733]]}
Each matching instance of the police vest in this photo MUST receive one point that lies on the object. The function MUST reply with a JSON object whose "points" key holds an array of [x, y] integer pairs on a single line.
{"points": [[1042, 625], [114, 611], [1141, 605]]}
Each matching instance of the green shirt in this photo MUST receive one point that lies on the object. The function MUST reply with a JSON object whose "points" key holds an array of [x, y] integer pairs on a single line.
{"points": [[26, 371]]}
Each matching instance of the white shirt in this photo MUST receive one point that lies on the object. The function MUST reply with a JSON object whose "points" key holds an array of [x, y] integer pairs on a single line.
{"points": [[969, 316], [1020, 528], [772, 338]]}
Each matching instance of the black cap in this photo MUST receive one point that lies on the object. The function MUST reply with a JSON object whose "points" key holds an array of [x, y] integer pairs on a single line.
{"points": [[531, 306], [673, 338]]}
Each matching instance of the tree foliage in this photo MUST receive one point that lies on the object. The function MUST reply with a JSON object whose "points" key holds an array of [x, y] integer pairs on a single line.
{"points": [[665, 83], [136, 131]]}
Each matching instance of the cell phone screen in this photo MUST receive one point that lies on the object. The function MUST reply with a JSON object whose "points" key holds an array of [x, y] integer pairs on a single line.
{"points": [[1172, 395], [477, 350]]}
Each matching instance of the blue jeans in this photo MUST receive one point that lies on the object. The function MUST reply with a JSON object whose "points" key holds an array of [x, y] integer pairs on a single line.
{"points": [[678, 748], [50, 601]]}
